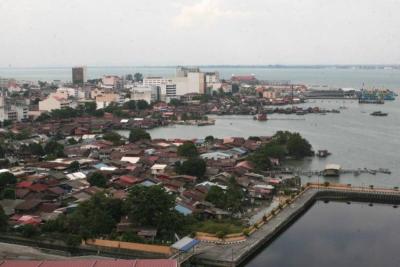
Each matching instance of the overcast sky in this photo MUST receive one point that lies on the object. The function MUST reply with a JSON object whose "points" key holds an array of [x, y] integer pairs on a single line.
{"points": [[196, 32]]}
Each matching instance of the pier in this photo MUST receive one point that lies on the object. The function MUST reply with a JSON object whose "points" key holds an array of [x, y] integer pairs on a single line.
{"points": [[237, 253]]}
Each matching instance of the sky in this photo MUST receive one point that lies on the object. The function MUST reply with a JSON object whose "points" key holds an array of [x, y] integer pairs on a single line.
{"points": [[39, 33]]}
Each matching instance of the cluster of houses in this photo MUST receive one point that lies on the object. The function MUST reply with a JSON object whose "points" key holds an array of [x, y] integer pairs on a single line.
{"points": [[46, 189]]}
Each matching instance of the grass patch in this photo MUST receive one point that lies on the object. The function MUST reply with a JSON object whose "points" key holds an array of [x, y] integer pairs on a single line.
{"points": [[219, 227]]}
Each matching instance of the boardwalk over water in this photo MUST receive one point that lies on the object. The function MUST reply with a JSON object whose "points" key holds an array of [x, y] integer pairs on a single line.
{"points": [[235, 254]]}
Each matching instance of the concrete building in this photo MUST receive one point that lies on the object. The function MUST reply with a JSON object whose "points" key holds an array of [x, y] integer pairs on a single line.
{"points": [[155, 81], [111, 82], [104, 100], [78, 75], [13, 112], [54, 101], [67, 92], [141, 93], [183, 71]]}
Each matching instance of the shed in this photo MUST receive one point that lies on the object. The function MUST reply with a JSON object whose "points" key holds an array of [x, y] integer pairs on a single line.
{"points": [[185, 244]]}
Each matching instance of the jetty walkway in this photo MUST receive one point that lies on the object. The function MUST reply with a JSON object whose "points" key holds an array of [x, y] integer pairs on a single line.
{"points": [[237, 253]]}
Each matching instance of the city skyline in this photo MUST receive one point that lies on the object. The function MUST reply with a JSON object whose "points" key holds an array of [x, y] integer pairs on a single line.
{"points": [[201, 32]]}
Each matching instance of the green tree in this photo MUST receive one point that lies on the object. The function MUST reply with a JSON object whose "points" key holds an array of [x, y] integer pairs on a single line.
{"points": [[234, 196], [187, 149], [36, 149], [298, 147], [9, 193], [175, 102], [216, 196], [97, 179], [209, 139], [129, 77], [138, 77], [131, 105], [261, 160], [28, 230], [92, 218], [150, 206], [7, 178], [113, 137], [3, 220], [90, 107], [72, 141], [131, 236], [54, 148], [2, 152], [74, 166], [137, 134], [142, 104], [43, 117], [192, 166]]}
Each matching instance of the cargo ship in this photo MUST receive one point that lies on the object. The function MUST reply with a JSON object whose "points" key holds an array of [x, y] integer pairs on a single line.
{"points": [[377, 96], [370, 97]]}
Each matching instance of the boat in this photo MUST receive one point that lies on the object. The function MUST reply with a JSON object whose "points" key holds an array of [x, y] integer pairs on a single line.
{"points": [[378, 113], [323, 153], [261, 117]]}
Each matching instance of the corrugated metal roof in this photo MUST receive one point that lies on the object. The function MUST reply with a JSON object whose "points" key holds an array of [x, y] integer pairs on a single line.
{"points": [[185, 244], [90, 263]]}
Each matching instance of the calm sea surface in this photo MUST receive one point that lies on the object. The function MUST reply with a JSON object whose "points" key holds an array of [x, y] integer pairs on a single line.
{"points": [[337, 234]]}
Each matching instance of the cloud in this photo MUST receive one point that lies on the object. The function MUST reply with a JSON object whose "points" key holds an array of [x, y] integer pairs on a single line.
{"points": [[205, 12]]}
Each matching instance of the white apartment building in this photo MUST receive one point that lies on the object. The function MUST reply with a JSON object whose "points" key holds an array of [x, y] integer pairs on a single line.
{"points": [[104, 100], [54, 101], [67, 92], [156, 81], [14, 112], [141, 94]]}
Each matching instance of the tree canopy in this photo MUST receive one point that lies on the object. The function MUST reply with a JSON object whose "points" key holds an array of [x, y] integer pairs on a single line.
{"points": [[187, 149], [97, 179], [113, 137], [192, 166], [282, 144], [137, 134], [36, 149], [230, 200], [138, 77], [142, 104], [54, 148], [7, 178], [3, 220], [92, 218]]}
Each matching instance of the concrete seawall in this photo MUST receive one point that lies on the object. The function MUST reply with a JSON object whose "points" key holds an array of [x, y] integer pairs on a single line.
{"points": [[236, 254]]}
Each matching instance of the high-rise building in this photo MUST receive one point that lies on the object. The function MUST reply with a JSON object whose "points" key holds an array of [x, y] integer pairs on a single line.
{"points": [[78, 75]]}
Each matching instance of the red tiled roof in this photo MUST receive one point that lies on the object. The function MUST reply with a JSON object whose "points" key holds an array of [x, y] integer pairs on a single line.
{"points": [[129, 179], [24, 184], [38, 187], [90, 263]]}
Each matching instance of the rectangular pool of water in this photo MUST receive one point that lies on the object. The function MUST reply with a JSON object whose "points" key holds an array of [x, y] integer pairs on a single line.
{"points": [[337, 234]]}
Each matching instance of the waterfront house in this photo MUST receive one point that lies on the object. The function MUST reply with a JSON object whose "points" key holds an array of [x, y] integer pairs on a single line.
{"points": [[157, 169]]}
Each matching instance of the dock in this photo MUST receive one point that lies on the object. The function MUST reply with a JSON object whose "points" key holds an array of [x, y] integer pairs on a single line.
{"points": [[238, 253]]}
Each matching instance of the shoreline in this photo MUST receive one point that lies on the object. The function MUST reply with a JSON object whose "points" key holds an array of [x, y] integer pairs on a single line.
{"points": [[237, 254]]}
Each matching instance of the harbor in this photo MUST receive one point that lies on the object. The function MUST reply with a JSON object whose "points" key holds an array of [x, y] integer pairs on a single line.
{"points": [[238, 253]]}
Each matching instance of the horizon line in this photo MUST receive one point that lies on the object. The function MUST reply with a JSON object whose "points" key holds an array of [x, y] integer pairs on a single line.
{"points": [[210, 65]]}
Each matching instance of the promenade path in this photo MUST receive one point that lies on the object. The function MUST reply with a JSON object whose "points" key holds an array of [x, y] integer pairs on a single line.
{"points": [[236, 253]]}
